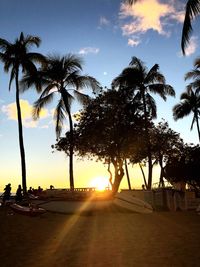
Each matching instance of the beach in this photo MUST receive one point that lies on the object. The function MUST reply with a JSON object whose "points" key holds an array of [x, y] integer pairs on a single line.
{"points": [[109, 237]]}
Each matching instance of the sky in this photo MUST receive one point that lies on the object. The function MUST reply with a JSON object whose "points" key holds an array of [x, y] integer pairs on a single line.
{"points": [[106, 34]]}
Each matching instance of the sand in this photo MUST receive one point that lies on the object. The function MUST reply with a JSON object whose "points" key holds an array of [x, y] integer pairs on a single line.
{"points": [[101, 238]]}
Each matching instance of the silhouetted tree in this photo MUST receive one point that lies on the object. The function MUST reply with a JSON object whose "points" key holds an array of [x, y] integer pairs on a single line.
{"points": [[184, 166], [141, 82], [17, 58], [61, 75], [108, 129], [165, 142], [190, 102]]}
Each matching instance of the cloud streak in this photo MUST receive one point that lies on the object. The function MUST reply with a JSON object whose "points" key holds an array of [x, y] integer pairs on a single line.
{"points": [[88, 50], [133, 42], [103, 21]]}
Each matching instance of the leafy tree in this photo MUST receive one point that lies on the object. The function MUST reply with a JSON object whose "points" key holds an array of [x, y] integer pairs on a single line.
{"points": [[184, 166], [141, 82], [165, 143], [17, 58], [109, 129], [190, 102], [61, 75]]}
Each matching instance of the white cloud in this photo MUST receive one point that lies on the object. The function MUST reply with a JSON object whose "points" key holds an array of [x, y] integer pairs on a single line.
{"points": [[88, 50], [103, 21], [191, 48], [133, 42], [150, 15], [26, 111]]}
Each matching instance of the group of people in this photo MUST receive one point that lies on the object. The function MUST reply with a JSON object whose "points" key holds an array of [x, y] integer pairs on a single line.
{"points": [[6, 196], [33, 191], [19, 193], [7, 193]]}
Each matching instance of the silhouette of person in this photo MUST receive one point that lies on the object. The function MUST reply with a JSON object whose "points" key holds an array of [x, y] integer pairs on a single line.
{"points": [[7, 191], [19, 196], [30, 191]]}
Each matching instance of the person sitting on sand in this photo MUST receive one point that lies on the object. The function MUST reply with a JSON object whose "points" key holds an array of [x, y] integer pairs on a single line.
{"points": [[6, 195], [19, 196]]}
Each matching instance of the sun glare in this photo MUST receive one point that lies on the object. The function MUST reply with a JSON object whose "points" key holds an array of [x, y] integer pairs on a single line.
{"points": [[100, 183]]}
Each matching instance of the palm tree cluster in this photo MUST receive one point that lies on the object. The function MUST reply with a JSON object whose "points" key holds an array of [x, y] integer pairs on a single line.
{"points": [[55, 74], [62, 76]]}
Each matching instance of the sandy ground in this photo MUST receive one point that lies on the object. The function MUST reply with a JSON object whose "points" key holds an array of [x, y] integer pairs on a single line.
{"points": [[101, 238]]}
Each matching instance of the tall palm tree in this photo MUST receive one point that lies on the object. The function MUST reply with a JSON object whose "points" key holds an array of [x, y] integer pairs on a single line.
{"points": [[143, 82], [61, 76], [190, 102], [16, 57]]}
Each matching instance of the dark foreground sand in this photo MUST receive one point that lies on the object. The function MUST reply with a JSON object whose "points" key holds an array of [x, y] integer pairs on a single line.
{"points": [[103, 238]]}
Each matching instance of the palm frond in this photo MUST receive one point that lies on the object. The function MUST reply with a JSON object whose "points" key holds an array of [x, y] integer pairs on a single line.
{"points": [[194, 74], [193, 120], [151, 106], [197, 62], [39, 104], [82, 98], [59, 117], [37, 58], [130, 77], [181, 110], [138, 64], [152, 74], [30, 40], [194, 85], [162, 90], [33, 79], [192, 10], [12, 76], [4, 44]]}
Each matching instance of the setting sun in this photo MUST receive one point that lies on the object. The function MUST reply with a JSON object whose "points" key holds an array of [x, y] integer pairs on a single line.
{"points": [[100, 183]]}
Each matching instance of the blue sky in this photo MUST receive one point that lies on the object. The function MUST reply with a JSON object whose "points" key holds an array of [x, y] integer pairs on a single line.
{"points": [[106, 34]]}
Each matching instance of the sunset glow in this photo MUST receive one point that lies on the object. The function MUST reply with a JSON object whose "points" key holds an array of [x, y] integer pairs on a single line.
{"points": [[100, 183]]}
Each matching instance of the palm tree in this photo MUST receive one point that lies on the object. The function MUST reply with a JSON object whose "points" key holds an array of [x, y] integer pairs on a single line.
{"points": [[16, 57], [61, 75], [143, 82], [190, 102]]}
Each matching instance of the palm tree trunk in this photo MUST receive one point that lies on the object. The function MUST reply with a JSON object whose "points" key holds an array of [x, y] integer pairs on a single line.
{"points": [[197, 122], [21, 143], [145, 182], [127, 175], [161, 181], [150, 167], [119, 173], [71, 147]]}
